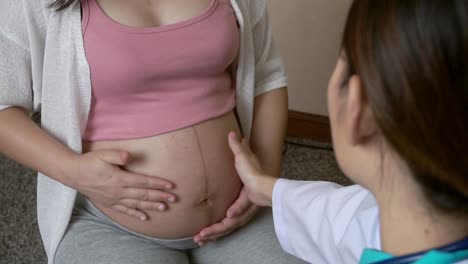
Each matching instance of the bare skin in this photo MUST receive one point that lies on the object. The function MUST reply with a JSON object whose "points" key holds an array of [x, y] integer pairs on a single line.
{"points": [[198, 161], [152, 13]]}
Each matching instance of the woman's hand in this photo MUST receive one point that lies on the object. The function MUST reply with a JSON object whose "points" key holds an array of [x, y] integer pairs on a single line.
{"points": [[258, 185], [98, 176]]}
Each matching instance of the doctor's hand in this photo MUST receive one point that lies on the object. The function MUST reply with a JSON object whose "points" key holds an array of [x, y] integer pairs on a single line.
{"points": [[238, 214], [99, 176], [258, 185]]}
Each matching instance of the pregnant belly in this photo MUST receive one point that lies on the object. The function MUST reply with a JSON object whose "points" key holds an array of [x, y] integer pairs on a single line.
{"points": [[198, 161]]}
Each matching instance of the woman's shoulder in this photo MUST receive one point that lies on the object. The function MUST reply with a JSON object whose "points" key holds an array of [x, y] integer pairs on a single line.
{"points": [[20, 18], [15, 8], [255, 9]]}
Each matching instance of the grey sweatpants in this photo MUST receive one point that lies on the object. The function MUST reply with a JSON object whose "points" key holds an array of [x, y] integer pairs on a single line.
{"points": [[93, 238]]}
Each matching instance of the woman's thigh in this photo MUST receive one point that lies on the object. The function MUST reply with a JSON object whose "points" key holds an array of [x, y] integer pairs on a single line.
{"points": [[255, 243], [89, 241]]}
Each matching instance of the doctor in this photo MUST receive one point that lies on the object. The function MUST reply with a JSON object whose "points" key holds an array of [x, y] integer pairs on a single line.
{"points": [[398, 104]]}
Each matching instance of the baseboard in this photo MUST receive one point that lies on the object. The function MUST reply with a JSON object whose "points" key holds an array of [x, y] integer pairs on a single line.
{"points": [[310, 126]]}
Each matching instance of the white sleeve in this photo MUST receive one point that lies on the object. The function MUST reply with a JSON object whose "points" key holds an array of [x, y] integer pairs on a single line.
{"points": [[16, 81], [322, 222], [15, 75], [269, 68]]}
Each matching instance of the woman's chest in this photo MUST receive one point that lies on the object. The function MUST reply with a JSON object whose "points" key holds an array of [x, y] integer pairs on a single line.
{"points": [[152, 13], [200, 47]]}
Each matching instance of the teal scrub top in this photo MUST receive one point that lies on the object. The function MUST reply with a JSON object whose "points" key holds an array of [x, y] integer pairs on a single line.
{"points": [[370, 256], [451, 253]]}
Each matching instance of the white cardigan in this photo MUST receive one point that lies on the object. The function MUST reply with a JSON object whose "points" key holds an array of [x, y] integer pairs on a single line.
{"points": [[43, 69]]}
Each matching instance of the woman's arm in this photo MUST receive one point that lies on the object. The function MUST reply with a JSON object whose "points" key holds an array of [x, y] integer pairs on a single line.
{"points": [[95, 174], [22, 140], [269, 129]]}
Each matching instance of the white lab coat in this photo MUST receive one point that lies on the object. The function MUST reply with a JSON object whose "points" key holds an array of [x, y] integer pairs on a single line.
{"points": [[323, 222]]}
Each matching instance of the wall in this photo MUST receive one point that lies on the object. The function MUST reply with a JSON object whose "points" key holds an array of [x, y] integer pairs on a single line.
{"points": [[307, 34]]}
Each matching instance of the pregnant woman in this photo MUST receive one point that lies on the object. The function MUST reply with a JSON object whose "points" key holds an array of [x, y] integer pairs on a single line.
{"points": [[136, 99]]}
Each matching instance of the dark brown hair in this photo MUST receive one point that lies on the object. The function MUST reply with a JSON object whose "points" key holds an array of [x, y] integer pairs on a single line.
{"points": [[412, 56], [61, 4]]}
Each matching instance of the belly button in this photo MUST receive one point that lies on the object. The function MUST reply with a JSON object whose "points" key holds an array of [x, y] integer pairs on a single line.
{"points": [[206, 202]]}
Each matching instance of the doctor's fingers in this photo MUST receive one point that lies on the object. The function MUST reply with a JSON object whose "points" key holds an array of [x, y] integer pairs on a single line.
{"points": [[227, 226], [238, 146], [240, 205]]}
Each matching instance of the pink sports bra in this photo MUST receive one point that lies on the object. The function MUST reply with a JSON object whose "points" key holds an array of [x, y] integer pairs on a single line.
{"points": [[150, 81]]}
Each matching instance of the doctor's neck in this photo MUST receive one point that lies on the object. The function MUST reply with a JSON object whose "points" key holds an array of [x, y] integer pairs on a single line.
{"points": [[409, 223]]}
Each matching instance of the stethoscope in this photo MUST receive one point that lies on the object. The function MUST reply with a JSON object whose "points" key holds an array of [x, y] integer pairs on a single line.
{"points": [[407, 259]]}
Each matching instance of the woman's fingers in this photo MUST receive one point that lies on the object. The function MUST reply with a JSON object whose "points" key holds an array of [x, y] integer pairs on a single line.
{"points": [[149, 195], [143, 205], [102, 180], [114, 157], [133, 180], [130, 211], [136, 208], [143, 193]]}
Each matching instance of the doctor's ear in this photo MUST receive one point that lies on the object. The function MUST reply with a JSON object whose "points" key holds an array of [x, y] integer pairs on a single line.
{"points": [[360, 121]]}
